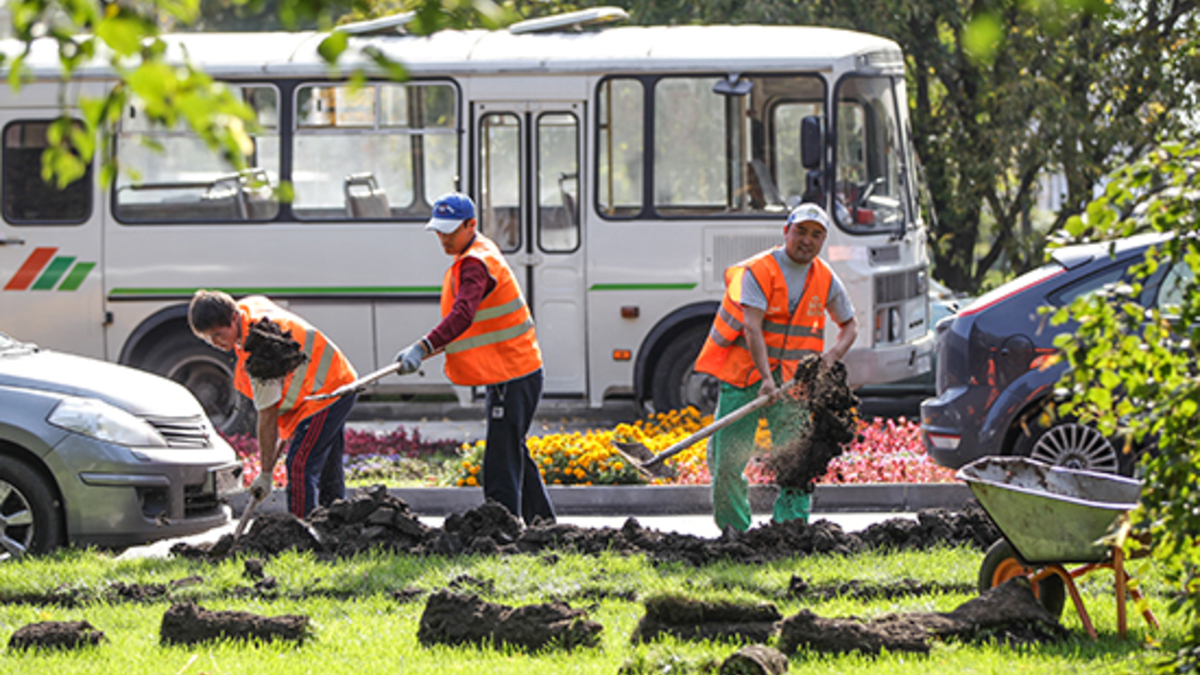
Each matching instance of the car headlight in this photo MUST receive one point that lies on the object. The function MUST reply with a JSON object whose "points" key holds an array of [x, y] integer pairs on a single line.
{"points": [[99, 420]]}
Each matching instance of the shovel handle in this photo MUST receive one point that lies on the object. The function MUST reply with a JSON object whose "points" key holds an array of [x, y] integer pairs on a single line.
{"points": [[356, 385], [720, 424], [246, 513]]}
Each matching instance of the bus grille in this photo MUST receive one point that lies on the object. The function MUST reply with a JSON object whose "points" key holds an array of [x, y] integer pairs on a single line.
{"points": [[182, 432], [731, 249], [897, 287]]}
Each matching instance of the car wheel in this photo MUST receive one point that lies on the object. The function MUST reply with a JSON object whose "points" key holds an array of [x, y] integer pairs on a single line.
{"points": [[675, 384], [1002, 563], [1071, 444], [208, 374], [30, 519]]}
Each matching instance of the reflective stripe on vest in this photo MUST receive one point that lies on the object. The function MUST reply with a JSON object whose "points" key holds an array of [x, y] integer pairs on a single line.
{"points": [[325, 369], [501, 342], [726, 354]]}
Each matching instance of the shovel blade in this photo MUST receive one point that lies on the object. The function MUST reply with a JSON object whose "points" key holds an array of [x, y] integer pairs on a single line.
{"points": [[643, 460]]}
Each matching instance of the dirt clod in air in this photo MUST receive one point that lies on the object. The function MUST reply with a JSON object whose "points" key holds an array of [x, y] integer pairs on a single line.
{"points": [[755, 660], [456, 619], [689, 619], [1009, 612], [833, 420], [188, 623], [273, 352], [55, 635]]}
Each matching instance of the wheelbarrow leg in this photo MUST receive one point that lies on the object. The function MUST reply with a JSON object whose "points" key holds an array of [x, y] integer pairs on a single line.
{"points": [[1118, 564], [1073, 590]]}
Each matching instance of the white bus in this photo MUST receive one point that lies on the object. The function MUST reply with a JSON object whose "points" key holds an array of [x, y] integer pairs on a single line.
{"points": [[622, 169]]}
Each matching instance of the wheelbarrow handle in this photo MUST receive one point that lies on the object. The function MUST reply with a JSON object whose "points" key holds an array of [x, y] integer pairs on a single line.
{"points": [[357, 385]]}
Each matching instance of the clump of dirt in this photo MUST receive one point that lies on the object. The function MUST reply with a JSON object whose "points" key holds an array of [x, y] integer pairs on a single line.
{"points": [[188, 623], [374, 519], [273, 352], [800, 589], [55, 635], [689, 619], [833, 420], [755, 660], [122, 592], [456, 619], [1009, 612]]}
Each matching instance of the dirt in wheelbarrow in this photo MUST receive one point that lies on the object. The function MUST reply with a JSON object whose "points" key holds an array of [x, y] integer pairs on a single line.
{"points": [[376, 520], [825, 398]]}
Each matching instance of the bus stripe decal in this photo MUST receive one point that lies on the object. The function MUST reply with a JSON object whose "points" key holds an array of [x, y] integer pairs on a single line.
{"points": [[287, 290], [29, 271], [75, 278], [53, 273]]}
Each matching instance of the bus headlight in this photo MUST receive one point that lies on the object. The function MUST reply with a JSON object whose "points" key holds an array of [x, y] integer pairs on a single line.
{"points": [[97, 419]]}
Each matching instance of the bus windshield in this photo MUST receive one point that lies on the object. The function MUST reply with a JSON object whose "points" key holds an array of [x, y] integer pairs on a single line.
{"points": [[870, 192]]}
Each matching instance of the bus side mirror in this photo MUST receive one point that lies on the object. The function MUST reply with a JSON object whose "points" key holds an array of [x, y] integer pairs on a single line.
{"points": [[810, 142]]}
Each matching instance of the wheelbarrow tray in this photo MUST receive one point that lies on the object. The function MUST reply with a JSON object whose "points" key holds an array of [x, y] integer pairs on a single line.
{"points": [[1050, 514]]}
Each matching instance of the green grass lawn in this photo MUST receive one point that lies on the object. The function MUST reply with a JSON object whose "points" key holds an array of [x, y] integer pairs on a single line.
{"points": [[360, 628]]}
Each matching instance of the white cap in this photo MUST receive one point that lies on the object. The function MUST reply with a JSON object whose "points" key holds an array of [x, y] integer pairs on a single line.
{"points": [[809, 213]]}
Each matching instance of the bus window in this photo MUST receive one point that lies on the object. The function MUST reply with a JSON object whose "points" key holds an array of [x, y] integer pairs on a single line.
{"points": [[500, 179], [170, 175], [870, 190], [558, 182], [729, 146], [620, 153], [357, 150], [28, 198]]}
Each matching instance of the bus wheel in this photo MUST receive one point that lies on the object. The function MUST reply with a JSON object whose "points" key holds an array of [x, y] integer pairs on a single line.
{"points": [[29, 512], [675, 385], [208, 374]]}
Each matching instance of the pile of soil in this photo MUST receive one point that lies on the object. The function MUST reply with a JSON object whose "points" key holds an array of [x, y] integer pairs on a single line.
{"points": [[273, 352], [689, 619], [755, 660], [377, 520], [834, 418], [800, 589], [55, 635], [188, 623], [1009, 612], [456, 619]]}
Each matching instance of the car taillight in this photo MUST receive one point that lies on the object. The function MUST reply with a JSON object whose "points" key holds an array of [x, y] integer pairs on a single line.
{"points": [[1018, 285]]}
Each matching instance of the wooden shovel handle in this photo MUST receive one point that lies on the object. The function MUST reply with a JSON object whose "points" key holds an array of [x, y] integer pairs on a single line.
{"points": [[718, 425]]}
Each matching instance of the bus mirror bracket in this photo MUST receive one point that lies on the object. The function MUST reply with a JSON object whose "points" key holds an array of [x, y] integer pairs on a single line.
{"points": [[733, 85]]}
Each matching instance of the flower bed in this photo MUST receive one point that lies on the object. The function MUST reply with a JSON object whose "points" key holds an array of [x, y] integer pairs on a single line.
{"points": [[885, 451]]}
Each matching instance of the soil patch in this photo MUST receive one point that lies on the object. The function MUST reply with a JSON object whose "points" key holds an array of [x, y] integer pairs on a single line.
{"points": [[800, 589], [188, 623], [377, 520], [755, 660], [1009, 612], [55, 635], [689, 619], [833, 410], [455, 619]]}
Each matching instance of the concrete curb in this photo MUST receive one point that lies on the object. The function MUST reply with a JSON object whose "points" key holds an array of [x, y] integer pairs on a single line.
{"points": [[657, 500]]}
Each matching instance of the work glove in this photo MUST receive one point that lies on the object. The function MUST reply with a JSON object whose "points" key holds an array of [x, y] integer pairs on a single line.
{"points": [[410, 357], [261, 488]]}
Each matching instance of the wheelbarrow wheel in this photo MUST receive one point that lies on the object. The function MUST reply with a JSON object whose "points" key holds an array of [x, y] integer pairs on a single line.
{"points": [[1002, 563]]}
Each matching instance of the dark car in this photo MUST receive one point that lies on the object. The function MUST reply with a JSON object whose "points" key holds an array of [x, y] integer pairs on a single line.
{"points": [[993, 383], [93, 453]]}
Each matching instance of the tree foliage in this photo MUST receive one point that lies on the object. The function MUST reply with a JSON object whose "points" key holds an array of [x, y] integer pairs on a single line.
{"points": [[1148, 355]]}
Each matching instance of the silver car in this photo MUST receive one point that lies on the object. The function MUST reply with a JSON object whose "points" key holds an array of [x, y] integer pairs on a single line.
{"points": [[93, 453]]}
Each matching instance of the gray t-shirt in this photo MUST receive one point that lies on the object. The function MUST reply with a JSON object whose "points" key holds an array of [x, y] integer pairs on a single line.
{"points": [[794, 274]]}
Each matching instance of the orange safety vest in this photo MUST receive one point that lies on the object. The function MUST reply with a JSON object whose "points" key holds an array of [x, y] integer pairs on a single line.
{"points": [[500, 345], [725, 354], [326, 369]]}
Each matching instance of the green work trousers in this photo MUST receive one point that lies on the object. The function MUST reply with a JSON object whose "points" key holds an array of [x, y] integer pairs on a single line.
{"points": [[730, 449]]}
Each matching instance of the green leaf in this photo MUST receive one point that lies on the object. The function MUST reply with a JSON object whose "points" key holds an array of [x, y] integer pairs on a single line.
{"points": [[333, 46], [123, 35]]}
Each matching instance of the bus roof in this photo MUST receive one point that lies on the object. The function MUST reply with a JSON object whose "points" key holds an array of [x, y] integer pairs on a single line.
{"points": [[630, 49]]}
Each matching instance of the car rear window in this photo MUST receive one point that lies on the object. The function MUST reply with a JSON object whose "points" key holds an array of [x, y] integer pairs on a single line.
{"points": [[1027, 280], [1087, 285]]}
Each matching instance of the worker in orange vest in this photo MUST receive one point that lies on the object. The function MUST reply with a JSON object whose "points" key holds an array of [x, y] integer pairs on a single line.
{"points": [[313, 431], [489, 340], [773, 313]]}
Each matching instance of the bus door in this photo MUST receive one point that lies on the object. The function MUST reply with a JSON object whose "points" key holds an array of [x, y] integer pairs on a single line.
{"points": [[51, 291], [527, 187]]}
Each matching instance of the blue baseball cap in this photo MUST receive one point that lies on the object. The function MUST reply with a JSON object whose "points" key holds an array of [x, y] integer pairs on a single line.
{"points": [[809, 213], [449, 211]]}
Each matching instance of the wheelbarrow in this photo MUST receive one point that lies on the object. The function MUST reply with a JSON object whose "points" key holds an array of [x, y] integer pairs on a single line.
{"points": [[1052, 516]]}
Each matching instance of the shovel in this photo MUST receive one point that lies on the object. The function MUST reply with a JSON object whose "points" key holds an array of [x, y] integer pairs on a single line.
{"points": [[644, 460], [357, 385], [246, 513]]}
